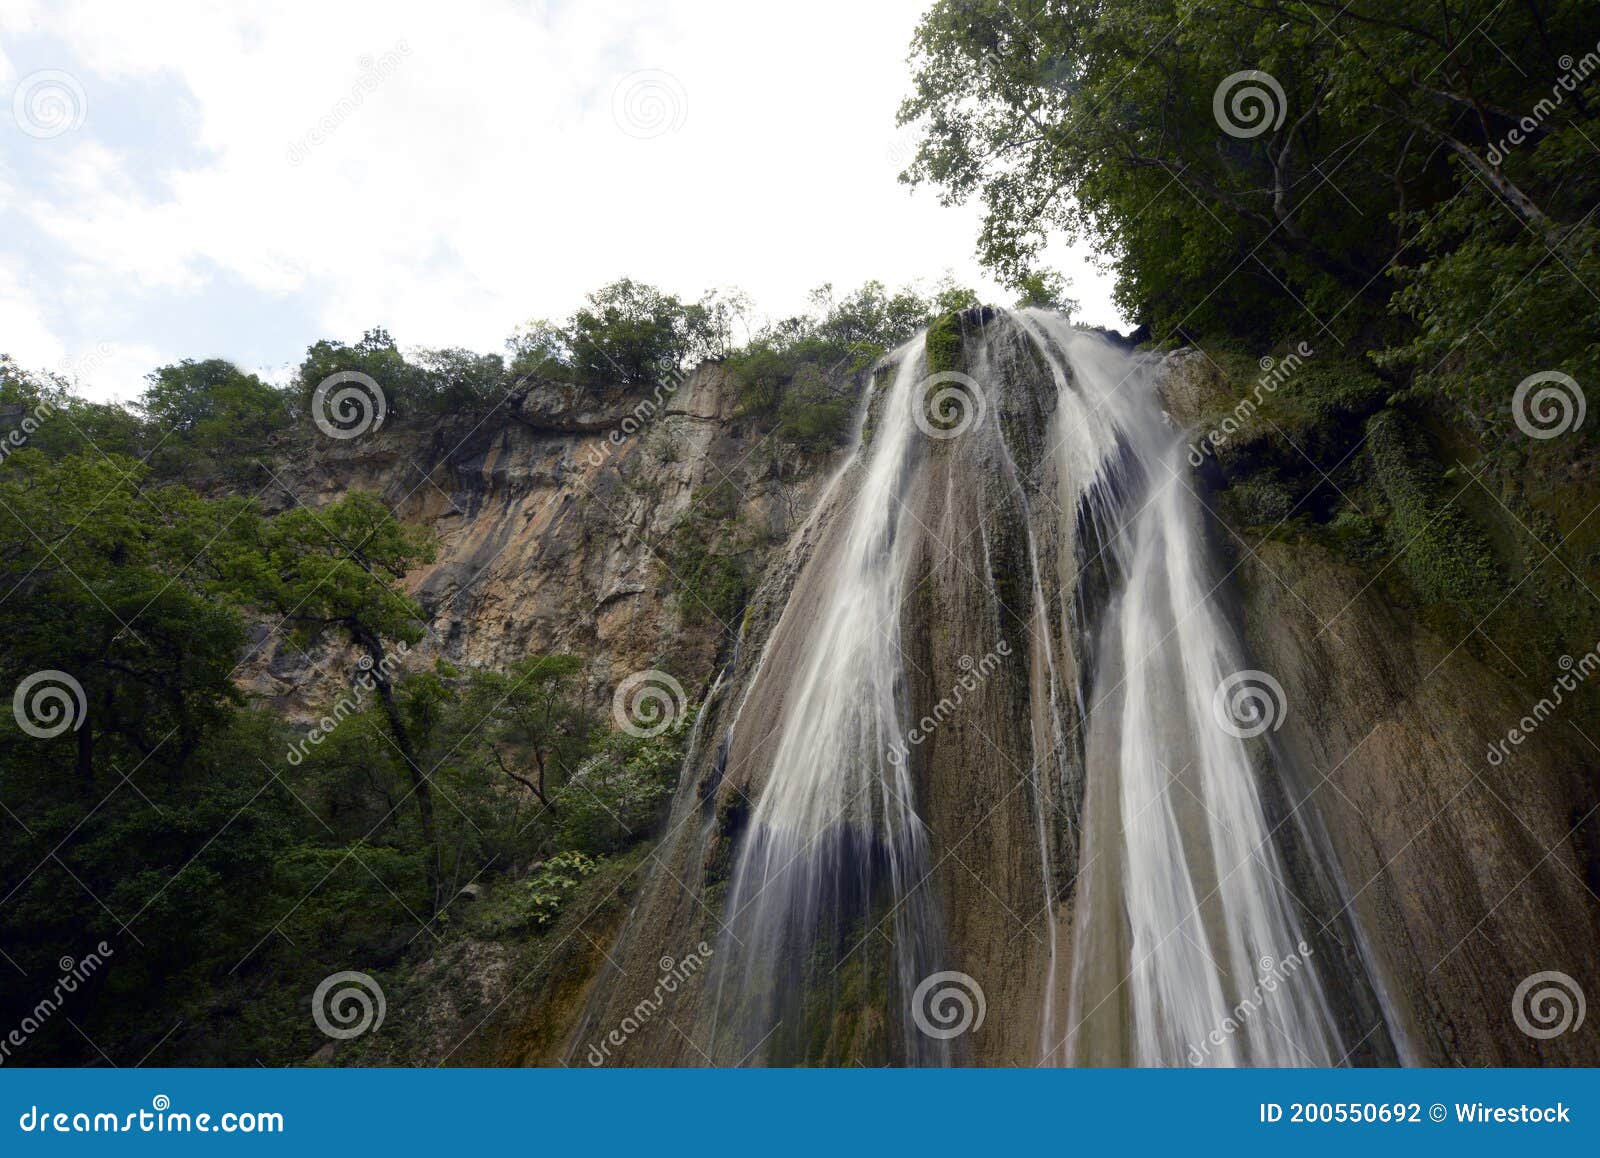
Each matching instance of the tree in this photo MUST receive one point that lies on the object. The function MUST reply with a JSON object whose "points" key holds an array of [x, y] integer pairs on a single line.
{"points": [[539, 348], [1298, 152], [1043, 289], [117, 585], [336, 569], [532, 708], [631, 333], [458, 379], [212, 408], [405, 386]]}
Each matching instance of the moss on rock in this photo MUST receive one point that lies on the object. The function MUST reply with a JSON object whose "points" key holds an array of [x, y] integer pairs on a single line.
{"points": [[944, 344], [1444, 553]]}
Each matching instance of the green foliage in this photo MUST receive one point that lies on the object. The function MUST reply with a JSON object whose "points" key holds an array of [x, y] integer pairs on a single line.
{"points": [[944, 344], [1445, 555], [633, 333], [114, 582], [1396, 137], [229, 859], [40, 411], [704, 559], [813, 415], [533, 708], [335, 568], [797, 378], [461, 380], [405, 386], [622, 792], [537, 901], [539, 348], [212, 415], [1043, 289]]}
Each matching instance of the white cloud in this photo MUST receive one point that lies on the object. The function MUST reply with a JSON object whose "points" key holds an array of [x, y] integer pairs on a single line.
{"points": [[483, 179]]}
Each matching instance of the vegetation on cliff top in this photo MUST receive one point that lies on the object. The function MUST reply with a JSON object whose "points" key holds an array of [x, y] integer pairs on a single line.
{"points": [[1411, 177]]}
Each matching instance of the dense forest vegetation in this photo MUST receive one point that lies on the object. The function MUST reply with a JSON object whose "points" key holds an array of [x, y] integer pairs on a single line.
{"points": [[1414, 178]]}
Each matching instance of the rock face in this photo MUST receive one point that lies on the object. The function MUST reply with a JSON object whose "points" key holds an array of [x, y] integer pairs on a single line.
{"points": [[554, 515], [1467, 876]]}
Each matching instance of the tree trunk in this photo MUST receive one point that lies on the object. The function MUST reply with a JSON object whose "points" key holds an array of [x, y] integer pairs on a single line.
{"points": [[420, 786]]}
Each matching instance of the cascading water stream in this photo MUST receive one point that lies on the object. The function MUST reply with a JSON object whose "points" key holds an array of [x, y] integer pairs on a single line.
{"points": [[835, 847], [1181, 911]]}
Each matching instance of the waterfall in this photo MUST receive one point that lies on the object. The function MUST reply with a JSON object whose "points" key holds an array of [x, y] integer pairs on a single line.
{"points": [[836, 850], [1182, 934], [1184, 912]]}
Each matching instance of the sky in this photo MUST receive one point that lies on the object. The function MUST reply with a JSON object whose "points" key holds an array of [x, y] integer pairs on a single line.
{"points": [[240, 179]]}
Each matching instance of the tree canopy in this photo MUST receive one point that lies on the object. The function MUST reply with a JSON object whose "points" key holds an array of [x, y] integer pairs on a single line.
{"points": [[1420, 170]]}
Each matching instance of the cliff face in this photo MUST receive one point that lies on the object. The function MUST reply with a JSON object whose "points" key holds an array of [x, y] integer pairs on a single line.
{"points": [[1467, 873], [555, 516]]}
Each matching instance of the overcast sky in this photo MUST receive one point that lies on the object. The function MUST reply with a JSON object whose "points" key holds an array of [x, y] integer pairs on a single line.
{"points": [[241, 179]]}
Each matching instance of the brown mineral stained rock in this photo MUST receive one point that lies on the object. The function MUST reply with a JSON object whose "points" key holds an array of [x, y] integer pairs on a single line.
{"points": [[1463, 874]]}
